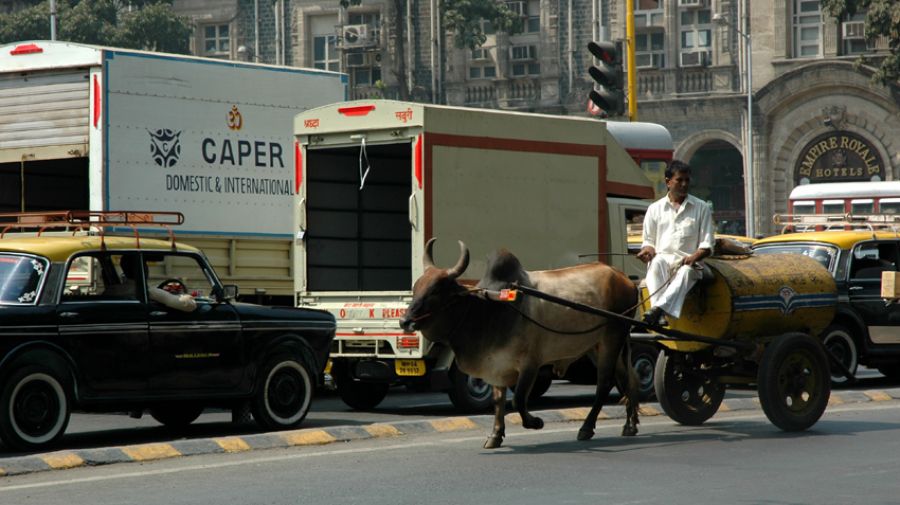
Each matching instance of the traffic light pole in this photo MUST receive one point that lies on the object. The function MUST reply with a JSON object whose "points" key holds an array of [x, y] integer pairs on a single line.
{"points": [[632, 72]]}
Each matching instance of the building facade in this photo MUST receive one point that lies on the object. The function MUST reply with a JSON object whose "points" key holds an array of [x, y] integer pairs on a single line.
{"points": [[815, 114]]}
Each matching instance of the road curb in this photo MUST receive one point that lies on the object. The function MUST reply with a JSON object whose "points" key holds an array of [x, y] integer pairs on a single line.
{"points": [[67, 459]]}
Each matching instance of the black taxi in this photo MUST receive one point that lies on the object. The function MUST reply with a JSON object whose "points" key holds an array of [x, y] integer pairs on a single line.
{"points": [[114, 323], [866, 329]]}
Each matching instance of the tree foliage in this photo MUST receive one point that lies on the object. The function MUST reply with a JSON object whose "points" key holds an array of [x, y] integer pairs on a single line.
{"points": [[465, 19], [882, 19], [136, 24]]}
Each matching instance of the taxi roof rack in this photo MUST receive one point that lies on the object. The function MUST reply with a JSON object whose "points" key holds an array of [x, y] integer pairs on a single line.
{"points": [[839, 222], [91, 221]]}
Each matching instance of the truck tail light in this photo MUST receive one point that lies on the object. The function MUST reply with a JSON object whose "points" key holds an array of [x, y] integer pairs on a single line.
{"points": [[411, 342], [359, 110], [26, 49]]}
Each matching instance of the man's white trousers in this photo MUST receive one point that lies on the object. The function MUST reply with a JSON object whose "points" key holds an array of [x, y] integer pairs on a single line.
{"points": [[670, 297]]}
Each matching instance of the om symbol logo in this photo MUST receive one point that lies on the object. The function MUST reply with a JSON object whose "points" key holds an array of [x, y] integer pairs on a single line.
{"points": [[235, 120]]}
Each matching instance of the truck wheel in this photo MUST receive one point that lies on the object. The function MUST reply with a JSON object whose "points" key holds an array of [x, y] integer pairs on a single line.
{"points": [[469, 394], [355, 393], [839, 342], [284, 394], [686, 394], [643, 359], [34, 407], [176, 415], [794, 381]]}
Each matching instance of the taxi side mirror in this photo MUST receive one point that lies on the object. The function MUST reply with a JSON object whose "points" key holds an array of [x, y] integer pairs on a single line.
{"points": [[229, 292]]}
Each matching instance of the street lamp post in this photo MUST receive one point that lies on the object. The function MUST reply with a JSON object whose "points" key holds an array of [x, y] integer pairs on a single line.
{"points": [[750, 188]]}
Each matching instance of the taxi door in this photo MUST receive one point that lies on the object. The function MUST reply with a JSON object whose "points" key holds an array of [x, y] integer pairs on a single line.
{"points": [[103, 320], [197, 350], [869, 259]]}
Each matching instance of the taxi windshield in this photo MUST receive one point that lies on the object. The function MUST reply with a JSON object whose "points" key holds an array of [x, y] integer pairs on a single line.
{"points": [[20, 279], [823, 254]]}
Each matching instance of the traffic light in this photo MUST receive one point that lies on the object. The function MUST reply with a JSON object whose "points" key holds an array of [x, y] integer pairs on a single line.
{"points": [[608, 74]]}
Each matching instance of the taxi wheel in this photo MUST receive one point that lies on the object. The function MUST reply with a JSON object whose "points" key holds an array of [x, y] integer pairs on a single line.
{"points": [[283, 395], [839, 343], [34, 407]]}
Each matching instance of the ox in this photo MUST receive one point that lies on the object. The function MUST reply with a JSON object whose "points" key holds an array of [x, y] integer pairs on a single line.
{"points": [[506, 343]]}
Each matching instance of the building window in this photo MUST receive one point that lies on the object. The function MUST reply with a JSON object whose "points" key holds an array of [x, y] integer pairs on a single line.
{"points": [[650, 49], [533, 17], [807, 29], [648, 13], [325, 55], [853, 34], [216, 41], [696, 37], [647, 5], [481, 63], [365, 76], [524, 60]]}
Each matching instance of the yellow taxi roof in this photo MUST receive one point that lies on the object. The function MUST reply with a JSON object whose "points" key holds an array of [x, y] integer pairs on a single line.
{"points": [[60, 248], [844, 239]]}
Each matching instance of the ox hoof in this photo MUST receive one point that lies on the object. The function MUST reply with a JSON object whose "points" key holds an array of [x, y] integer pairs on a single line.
{"points": [[493, 442], [629, 431], [585, 434], [535, 423]]}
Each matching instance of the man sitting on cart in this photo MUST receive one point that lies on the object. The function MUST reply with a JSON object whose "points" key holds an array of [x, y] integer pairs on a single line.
{"points": [[678, 233]]}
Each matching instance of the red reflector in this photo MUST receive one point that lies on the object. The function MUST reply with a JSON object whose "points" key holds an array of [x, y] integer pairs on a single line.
{"points": [[26, 49], [298, 168], [360, 110], [96, 102], [508, 295], [408, 342], [417, 158]]}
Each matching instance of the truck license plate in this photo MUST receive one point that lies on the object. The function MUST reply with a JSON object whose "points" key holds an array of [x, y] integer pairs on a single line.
{"points": [[409, 367]]}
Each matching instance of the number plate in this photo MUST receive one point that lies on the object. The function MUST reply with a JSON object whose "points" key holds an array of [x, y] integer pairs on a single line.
{"points": [[409, 367]]}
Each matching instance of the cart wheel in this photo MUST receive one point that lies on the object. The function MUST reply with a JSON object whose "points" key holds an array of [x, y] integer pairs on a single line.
{"points": [[794, 381], [685, 393]]}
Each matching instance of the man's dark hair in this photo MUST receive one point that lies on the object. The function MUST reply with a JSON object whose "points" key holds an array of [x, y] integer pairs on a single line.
{"points": [[677, 166]]}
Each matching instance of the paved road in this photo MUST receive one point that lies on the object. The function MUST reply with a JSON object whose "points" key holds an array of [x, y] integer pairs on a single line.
{"points": [[106, 430], [848, 457]]}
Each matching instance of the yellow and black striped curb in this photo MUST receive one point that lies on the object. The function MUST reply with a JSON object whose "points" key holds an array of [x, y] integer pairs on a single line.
{"points": [[66, 459]]}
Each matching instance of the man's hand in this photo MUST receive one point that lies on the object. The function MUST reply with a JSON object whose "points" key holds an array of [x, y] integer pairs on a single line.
{"points": [[646, 254], [697, 256]]}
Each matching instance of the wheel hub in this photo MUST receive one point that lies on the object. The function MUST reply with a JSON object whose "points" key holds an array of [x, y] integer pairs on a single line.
{"points": [[34, 409]]}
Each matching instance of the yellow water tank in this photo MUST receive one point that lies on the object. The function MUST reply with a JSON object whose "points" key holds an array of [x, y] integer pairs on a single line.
{"points": [[756, 297]]}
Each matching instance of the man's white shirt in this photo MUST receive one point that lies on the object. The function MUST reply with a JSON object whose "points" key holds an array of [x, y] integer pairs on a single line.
{"points": [[678, 232]]}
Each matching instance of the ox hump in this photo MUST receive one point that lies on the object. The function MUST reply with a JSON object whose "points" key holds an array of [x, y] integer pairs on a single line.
{"points": [[503, 268]]}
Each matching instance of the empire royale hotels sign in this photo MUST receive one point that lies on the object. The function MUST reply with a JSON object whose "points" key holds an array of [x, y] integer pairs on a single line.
{"points": [[838, 156]]}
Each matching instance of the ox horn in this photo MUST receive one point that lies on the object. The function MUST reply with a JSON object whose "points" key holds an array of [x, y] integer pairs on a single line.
{"points": [[462, 263], [428, 259]]}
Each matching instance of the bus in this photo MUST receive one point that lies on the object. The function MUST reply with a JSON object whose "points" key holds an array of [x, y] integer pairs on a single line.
{"points": [[649, 145], [861, 198]]}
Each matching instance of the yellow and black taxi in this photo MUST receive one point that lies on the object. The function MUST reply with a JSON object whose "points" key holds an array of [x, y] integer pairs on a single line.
{"points": [[115, 323], [866, 328]]}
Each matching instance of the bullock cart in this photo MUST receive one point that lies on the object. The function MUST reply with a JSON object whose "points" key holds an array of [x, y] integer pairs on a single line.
{"points": [[751, 321]]}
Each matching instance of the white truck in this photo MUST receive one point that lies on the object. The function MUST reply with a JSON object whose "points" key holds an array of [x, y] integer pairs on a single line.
{"points": [[98, 128], [379, 178]]}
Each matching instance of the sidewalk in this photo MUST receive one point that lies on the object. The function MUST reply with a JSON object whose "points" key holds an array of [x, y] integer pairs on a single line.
{"points": [[66, 459]]}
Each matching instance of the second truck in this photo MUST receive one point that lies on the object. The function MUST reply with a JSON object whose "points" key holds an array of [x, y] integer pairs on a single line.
{"points": [[378, 178]]}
